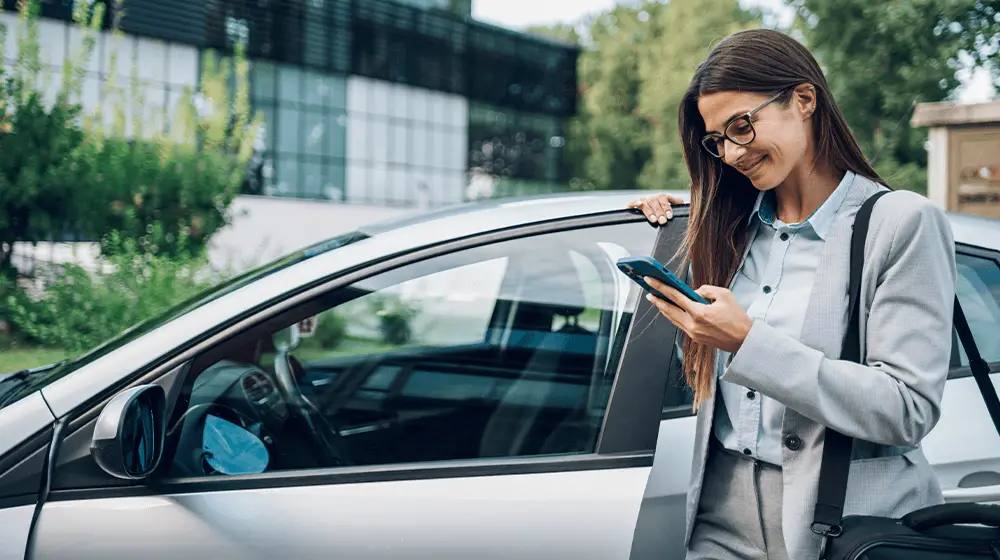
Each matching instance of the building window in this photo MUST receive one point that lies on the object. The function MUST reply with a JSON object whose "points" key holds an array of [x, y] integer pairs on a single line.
{"points": [[405, 145], [511, 144], [305, 131]]}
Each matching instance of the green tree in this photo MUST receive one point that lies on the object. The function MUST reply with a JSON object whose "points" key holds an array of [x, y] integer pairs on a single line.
{"points": [[38, 141], [636, 63], [687, 30], [882, 58], [165, 180]]}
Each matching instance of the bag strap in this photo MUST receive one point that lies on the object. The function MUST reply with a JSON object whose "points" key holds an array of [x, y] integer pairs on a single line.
{"points": [[837, 448]]}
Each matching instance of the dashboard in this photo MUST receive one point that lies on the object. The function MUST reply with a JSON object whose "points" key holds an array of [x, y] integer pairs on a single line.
{"points": [[244, 397]]}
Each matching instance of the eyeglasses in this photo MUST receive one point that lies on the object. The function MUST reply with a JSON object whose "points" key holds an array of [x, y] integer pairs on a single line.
{"points": [[739, 131]]}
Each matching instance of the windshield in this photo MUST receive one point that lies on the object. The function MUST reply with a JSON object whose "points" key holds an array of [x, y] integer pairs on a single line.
{"points": [[16, 385]]}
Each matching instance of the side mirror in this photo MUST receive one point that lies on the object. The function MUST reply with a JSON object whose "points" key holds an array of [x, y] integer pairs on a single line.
{"points": [[129, 434]]}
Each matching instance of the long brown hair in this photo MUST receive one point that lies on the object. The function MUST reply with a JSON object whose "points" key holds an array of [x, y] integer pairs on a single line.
{"points": [[759, 61]]}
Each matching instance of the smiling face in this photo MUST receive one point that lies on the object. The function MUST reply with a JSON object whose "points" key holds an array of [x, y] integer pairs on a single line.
{"points": [[783, 132]]}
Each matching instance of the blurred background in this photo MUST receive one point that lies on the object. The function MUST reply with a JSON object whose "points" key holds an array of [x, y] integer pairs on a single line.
{"points": [[150, 148]]}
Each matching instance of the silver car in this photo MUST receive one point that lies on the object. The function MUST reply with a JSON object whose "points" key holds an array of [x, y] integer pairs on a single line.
{"points": [[479, 382]]}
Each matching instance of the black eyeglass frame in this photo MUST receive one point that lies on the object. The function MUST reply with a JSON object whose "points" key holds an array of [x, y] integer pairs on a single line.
{"points": [[745, 117]]}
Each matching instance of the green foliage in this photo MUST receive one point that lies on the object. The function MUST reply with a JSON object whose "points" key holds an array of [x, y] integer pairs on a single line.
{"points": [[80, 309], [166, 178], [636, 63], [395, 318], [37, 167], [881, 58], [38, 141], [152, 185], [330, 330]]}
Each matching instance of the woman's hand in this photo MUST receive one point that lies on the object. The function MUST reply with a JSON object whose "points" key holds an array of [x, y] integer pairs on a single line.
{"points": [[723, 324], [657, 207]]}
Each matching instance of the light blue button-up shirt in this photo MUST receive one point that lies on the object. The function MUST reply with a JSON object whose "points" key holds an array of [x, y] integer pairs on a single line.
{"points": [[773, 285]]}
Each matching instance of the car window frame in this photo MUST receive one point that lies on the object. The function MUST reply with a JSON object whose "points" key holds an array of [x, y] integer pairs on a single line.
{"points": [[969, 250], [620, 443]]}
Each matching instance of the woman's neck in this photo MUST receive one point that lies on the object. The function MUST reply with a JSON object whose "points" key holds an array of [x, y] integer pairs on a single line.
{"points": [[805, 190]]}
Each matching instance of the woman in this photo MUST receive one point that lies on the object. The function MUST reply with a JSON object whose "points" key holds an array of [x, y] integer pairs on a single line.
{"points": [[777, 178]]}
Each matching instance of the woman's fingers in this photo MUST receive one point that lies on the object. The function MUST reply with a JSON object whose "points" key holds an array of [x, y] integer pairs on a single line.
{"points": [[658, 209]]}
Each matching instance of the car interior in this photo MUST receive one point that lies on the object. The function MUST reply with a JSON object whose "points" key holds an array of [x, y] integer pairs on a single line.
{"points": [[535, 382]]}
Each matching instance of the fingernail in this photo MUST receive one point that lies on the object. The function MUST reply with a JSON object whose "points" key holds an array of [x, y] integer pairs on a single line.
{"points": [[649, 298], [670, 214]]}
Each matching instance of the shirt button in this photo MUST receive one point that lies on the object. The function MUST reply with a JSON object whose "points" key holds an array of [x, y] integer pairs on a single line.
{"points": [[746, 451], [793, 442], [751, 395], [767, 289], [784, 237]]}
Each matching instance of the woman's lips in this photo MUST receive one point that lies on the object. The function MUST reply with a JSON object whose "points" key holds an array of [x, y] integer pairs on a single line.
{"points": [[747, 169]]}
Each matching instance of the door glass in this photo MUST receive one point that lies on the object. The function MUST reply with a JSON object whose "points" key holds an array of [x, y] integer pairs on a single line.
{"points": [[979, 292], [502, 350]]}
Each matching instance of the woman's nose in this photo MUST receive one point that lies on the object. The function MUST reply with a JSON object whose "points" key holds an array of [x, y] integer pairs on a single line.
{"points": [[732, 151]]}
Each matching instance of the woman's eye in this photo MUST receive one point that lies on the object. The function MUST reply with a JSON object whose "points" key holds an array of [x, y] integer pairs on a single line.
{"points": [[740, 127]]}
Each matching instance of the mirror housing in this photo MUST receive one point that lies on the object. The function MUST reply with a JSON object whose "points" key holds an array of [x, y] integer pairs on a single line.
{"points": [[129, 434]]}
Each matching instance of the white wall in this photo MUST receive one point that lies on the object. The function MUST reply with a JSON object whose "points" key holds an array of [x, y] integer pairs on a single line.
{"points": [[401, 137], [165, 68], [265, 228]]}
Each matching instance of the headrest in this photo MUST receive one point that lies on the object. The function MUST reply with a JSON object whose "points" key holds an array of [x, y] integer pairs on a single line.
{"points": [[554, 283]]}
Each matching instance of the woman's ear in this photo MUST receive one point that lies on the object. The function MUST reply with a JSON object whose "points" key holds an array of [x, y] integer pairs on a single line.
{"points": [[804, 100]]}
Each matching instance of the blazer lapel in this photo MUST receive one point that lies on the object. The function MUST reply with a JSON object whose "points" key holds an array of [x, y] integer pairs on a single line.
{"points": [[826, 312]]}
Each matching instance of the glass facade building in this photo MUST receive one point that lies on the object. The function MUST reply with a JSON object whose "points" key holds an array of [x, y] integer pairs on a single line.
{"points": [[372, 101]]}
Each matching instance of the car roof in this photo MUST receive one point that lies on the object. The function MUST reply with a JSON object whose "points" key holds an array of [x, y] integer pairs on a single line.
{"points": [[462, 220], [471, 218], [976, 230]]}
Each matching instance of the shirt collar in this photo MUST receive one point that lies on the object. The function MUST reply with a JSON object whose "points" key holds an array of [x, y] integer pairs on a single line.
{"points": [[820, 220]]}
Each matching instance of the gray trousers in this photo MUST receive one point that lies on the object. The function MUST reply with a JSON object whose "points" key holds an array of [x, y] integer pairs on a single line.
{"points": [[739, 514]]}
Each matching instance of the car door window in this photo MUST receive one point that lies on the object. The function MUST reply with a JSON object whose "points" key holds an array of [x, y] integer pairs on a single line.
{"points": [[978, 289], [501, 350]]}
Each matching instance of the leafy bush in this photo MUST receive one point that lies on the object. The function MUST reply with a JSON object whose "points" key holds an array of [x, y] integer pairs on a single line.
{"points": [[118, 167], [330, 331], [80, 309], [180, 181], [395, 319], [151, 186]]}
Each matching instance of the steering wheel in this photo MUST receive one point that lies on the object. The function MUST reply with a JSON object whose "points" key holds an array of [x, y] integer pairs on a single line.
{"points": [[325, 435]]}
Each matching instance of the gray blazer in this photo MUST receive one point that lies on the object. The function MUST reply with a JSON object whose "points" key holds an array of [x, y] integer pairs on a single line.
{"points": [[892, 402]]}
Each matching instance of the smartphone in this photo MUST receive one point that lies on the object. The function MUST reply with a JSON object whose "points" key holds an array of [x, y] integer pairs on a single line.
{"points": [[637, 267]]}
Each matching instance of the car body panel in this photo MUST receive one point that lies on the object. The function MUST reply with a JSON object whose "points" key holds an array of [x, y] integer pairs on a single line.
{"points": [[953, 456], [660, 527], [581, 515], [15, 525], [23, 419], [975, 230]]}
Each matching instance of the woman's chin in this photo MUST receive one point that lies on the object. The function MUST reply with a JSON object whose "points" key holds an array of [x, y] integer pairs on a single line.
{"points": [[762, 183]]}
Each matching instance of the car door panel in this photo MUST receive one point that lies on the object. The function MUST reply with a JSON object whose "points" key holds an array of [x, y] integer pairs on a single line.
{"points": [[580, 515], [963, 446], [573, 497], [964, 440], [660, 527], [15, 526]]}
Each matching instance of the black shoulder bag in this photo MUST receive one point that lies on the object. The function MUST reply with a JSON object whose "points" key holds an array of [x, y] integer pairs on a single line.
{"points": [[948, 531]]}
